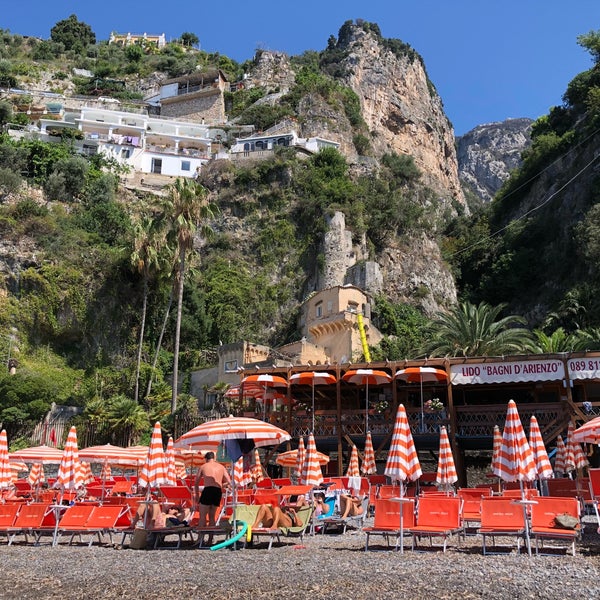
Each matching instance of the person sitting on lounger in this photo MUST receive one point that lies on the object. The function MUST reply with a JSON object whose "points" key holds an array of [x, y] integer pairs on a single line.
{"points": [[322, 508], [351, 505], [176, 515], [150, 516], [273, 517]]}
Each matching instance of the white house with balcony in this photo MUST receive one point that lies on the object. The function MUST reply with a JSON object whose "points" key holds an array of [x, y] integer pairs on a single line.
{"points": [[147, 144]]}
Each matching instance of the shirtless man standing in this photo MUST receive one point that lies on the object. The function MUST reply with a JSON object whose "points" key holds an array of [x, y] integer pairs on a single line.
{"points": [[216, 478]]}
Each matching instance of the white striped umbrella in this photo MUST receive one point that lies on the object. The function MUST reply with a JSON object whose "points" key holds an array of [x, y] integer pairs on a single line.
{"points": [[366, 377], [16, 468], [290, 458], [6, 474], [497, 442], [446, 474], [45, 455], [36, 475], [542, 462], [403, 462], [257, 470], [589, 433], [575, 455], [233, 428], [180, 470], [106, 473], [241, 477], [313, 378], [86, 472], [300, 458], [515, 458], [311, 473], [420, 375], [154, 470], [353, 470], [369, 466], [560, 459], [266, 381], [192, 458], [170, 461], [114, 455], [69, 475]]}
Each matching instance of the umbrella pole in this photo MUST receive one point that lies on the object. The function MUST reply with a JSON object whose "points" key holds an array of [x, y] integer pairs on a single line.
{"points": [[422, 407], [524, 505], [401, 517], [313, 409], [367, 408]]}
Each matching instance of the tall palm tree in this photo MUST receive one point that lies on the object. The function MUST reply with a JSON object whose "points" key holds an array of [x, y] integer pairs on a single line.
{"points": [[558, 341], [187, 210], [476, 330], [144, 259], [127, 419]]}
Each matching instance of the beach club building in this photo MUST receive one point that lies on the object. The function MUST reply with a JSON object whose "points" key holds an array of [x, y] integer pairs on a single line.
{"points": [[555, 388]]}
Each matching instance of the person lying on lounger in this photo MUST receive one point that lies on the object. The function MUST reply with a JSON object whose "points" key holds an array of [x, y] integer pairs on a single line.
{"points": [[350, 505], [273, 517]]}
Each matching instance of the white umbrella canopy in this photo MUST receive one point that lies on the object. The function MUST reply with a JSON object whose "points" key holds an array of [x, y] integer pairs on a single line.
{"points": [[70, 475], [290, 458], [589, 433], [446, 474], [113, 455], [45, 455]]}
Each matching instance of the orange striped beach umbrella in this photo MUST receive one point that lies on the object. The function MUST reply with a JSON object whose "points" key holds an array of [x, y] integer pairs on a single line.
{"points": [[6, 474], [313, 378], [180, 470], [290, 458], [106, 473], [542, 462], [560, 459], [575, 455], [300, 458], [515, 458], [154, 470], [366, 377], [114, 455], [46, 455], [16, 468], [497, 442], [446, 474], [192, 458], [353, 470], [86, 472], [369, 466], [266, 381], [69, 475], [403, 462], [257, 470], [588, 433], [311, 474], [36, 475], [170, 461], [242, 478]]}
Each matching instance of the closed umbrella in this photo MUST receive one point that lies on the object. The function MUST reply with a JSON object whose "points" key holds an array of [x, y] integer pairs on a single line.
{"points": [[87, 476], [154, 470], [6, 479], [353, 472], [36, 475], [106, 472], [170, 462], [540, 455], [18, 467], [576, 458], [300, 459], [403, 461], [366, 377], [446, 474], [421, 375], [515, 458], [496, 443], [69, 475], [560, 458], [313, 378], [311, 474], [369, 466], [241, 477], [257, 470]]}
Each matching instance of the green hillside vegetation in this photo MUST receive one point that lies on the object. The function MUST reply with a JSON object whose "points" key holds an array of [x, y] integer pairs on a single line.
{"points": [[96, 318]]}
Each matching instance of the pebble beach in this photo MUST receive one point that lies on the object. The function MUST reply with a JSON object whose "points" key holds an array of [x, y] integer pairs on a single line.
{"points": [[319, 566]]}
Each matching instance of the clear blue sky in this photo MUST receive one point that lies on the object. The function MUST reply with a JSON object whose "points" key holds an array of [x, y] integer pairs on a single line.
{"points": [[489, 60]]}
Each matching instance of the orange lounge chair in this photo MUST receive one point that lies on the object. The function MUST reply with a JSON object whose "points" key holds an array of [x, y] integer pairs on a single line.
{"points": [[33, 519], [73, 521], [563, 486], [437, 516], [543, 525], [122, 487], [177, 494], [387, 520], [501, 517], [8, 514], [471, 508]]}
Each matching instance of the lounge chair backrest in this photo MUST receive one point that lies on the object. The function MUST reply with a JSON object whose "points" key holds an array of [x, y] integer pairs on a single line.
{"points": [[562, 486], [304, 514], [594, 475], [8, 514], [108, 517], [266, 497], [501, 513], [439, 511], [33, 515], [387, 513], [547, 507], [76, 516]]}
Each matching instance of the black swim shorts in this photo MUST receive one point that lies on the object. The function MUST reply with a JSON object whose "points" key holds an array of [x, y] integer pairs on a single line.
{"points": [[211, 496]]}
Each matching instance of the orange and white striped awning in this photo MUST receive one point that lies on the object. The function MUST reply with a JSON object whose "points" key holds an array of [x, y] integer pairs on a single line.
{"points": [[515, 458], [289, 458], [154, 470], [45, 455], [113, 455], [540, 455], [369, 466], [233, 428], [403, 462], [311, 474], [588, 433], [446, 471], [69, 475]]}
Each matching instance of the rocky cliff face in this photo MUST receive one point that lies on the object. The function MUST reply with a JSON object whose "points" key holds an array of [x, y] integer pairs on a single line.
{"points": [[488, 153], [402, 109]]}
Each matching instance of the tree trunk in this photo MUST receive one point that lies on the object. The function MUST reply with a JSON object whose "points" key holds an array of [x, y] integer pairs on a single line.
{"points": [[159, 344], [177, 329], [141, 340]]}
